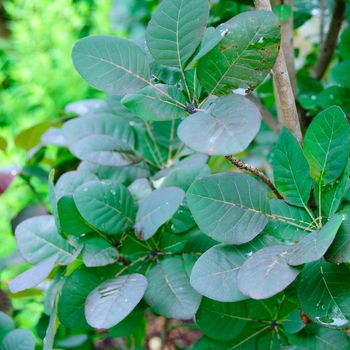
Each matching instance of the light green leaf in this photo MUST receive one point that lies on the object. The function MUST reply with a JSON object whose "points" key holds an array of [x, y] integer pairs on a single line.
{"points": [[291, 170], [228, 126], [283, 12], [326, 145], [173, 33], [229, 207], [113, 65], [244, 56]]}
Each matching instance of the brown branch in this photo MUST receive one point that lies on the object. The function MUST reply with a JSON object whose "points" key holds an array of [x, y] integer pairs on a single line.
{"points": [[283, 86], [323, 8], [244, 166], [326, 52], [268, 118]]}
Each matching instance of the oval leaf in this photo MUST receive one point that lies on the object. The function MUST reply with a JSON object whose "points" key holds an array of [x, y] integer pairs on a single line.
{"points": [[114, 299], [157, 209], [98, 252], [244, 56], [169, 292], [266, 273], [228, 127], [106, 205], [230, 207], [18, 339], [113, 65]]}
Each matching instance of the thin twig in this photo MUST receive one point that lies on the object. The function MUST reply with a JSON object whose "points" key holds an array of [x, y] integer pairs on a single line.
{"points": [[283, 85], [244, 166], [326, 52]]}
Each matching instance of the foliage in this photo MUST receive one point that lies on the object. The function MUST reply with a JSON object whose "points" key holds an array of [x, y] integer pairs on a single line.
{"points": [[142, 224]]}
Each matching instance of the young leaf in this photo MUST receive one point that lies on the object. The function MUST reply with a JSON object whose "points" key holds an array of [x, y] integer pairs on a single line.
{"points": [[229, 207], [291, 170], [244, 56], [169, 292], [157, 209], [38, 239], [113, 65], [33, 276], [266, 273], [19, 339], [326, 145], [221, 321], [313, 246], [227, 127], [324, 292], [114, 299], [173, 34], [106, 205], [158, 103], [98, 252], [214, 275]]}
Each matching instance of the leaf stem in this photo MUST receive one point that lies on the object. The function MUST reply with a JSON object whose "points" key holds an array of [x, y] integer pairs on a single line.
{"points": [[150, 133], [244, 166], [171, 140]]}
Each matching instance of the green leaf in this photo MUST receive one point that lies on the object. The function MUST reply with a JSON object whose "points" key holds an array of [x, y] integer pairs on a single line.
{"points": [[326, 145], [283, 12], [173, 34], [293, 323], [266, 273], [74, 292], [323, 294], [33, 276], [90, 106], [140, 189], [228, 126], [18, 339], [315, 337], [313, 246], [291, 170], [341, 73], [52, 198], [290, 222], [339, 251], [113, 65], [158, 102], [106, 205], [229, 207], [6, 325], [72, 341], [98, 252], [3, 144], [105, 150], [344, 44], [334, 95], [114, 299], [169, 292], [38, 239], [214, 275], [245, 55], [221, 321], [156, 210]]}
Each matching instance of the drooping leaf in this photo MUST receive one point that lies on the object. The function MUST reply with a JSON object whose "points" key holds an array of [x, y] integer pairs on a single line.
{"points": [[18, 339], [315, 337], [106, 205], [214, 275], [221, 321], [229, 207], [156, 209], [38, 239], [313, 246], [291, 222], [244, 56], [266, 273], [98, 252], [114, 299], [323, 294], [33, 276], [339, 251], [105, 150], [158, 103], [326, 145], [51, 330], [76, 288], [227, 127], [111, 64], [291, 170], [172, 34], [169, 292]]}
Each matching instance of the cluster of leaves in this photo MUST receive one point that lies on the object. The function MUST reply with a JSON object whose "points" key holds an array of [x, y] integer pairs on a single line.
{"points": [[142, 224]]}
